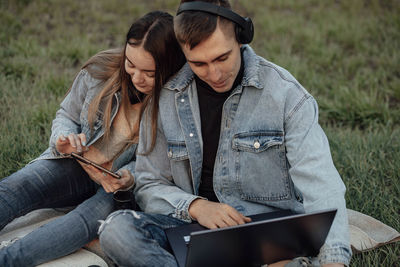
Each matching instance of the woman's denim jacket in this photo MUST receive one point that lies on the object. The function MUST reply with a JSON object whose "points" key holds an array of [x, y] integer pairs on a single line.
{"points": [[72, 117], [272, 152]]}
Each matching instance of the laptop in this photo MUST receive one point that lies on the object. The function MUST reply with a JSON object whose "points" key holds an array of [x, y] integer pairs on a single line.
{"points": [[270, 237]]}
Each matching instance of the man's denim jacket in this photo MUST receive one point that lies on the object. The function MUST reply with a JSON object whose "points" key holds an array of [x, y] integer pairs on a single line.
{"points": [[272, 152], [72, 117]]}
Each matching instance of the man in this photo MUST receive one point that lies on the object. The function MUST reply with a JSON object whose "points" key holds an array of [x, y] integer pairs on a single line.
{"points": [[237, 135]]}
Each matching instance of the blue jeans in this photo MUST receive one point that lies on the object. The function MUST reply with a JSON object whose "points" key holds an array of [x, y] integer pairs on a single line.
{"points": [[51, 184], [132, 238]]}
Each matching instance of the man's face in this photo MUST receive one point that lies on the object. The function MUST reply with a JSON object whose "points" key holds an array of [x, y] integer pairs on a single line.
{"points": [[216, 60]]}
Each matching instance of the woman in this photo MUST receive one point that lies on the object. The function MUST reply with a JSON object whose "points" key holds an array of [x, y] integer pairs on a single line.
{"points": [[99, 119]]}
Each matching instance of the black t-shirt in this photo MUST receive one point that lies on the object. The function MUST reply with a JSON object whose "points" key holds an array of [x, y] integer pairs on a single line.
{"points": [[211, 104]]}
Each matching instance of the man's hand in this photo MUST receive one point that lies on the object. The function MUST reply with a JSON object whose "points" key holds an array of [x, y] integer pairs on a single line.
{"points": [[109, 183], [72, 143], [215, 215]]}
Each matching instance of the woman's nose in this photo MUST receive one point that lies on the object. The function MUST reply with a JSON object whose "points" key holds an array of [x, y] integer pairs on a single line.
{"points": [[136, 77]]}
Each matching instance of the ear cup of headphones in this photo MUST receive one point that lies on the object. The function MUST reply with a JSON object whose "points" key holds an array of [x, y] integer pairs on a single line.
{"points": [[244, 33]]}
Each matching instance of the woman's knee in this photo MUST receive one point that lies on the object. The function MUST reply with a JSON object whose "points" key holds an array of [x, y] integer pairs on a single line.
{"points": [[119, 229]]}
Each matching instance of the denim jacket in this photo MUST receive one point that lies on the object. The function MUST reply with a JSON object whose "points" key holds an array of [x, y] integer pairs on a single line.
{"points": [[72, 117], [272, 152]]}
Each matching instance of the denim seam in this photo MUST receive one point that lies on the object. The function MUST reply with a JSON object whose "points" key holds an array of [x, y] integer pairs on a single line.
{"points": [[297, 107], [269, 65]]}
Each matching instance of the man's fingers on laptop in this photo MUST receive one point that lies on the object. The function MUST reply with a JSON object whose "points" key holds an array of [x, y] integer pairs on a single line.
{"points": [[236, 216], [239, 218], [236, 219], [247, 219], [229, 221], [212, 226], [215, 215]]}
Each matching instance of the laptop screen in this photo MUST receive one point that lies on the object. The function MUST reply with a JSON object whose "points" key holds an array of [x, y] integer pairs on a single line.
{"points": [[270, 237]]}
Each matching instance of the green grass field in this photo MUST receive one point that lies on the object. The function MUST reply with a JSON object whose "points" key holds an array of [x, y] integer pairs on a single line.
{"points": [[345, 52]]}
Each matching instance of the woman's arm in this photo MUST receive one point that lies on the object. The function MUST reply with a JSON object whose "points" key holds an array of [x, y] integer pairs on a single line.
{"points": [[67, 120], [155, 190]]}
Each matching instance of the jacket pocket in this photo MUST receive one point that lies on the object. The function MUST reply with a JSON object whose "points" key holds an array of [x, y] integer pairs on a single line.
{"points": [[180, 165], [261, 167], [256, 142], [177, 151]]}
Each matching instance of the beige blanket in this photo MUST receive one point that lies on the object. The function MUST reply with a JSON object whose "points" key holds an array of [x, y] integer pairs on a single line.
{"points": [[366, 233]]}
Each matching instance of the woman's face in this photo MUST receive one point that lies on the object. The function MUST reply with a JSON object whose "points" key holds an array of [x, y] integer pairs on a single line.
{"points": [[140, 66]]}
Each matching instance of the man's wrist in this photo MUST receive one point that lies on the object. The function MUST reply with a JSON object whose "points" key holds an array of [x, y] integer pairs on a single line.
{"points": [[193, 207]]}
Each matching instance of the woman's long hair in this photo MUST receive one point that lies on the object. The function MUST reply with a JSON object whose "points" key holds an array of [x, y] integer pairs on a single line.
{"points": [[154, 31]]}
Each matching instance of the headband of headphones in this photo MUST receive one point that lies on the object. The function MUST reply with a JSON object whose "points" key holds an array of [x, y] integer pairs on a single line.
{"points": [[244, 29]]}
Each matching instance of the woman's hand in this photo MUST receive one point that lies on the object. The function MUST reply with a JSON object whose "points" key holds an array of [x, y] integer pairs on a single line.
{"points": [[72, 143], [109, 183]]}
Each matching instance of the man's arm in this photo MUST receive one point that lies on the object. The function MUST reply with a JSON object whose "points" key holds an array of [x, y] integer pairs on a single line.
{"points": [[315, 176]]}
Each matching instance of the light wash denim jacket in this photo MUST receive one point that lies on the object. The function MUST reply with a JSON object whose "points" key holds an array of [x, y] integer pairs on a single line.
{"points": [[272, 152], [72, 117]]}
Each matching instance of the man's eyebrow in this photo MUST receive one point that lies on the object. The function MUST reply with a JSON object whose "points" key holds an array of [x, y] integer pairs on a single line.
{"points": [[134, 65], [215, 59]]}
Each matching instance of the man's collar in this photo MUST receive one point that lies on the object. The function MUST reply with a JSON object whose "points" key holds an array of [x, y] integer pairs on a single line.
{"points": [[251, 76], [181, 79]]}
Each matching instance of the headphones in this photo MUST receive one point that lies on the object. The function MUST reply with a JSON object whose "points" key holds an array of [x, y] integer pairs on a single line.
{"points": [[244, 29]]}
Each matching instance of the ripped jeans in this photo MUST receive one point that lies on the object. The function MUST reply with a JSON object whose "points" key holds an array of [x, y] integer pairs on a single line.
{"points": [[51, 184], [133, 238]]}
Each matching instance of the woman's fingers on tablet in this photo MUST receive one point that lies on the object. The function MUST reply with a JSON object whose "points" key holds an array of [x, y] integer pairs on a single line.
{"points": [[61, 139], [82, 138]]}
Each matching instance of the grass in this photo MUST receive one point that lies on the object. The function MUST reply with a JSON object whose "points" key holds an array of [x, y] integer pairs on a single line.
{"points": [[346, 53]]}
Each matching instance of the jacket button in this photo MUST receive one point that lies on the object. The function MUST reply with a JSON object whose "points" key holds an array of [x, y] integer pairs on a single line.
{"points": [[191, 134], [182, 100], [256, 145]]}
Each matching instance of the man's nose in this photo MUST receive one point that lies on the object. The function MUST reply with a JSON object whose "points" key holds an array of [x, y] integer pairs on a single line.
{"points": [[214, 73]]}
